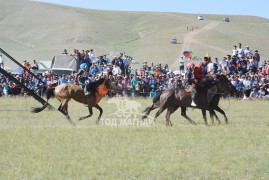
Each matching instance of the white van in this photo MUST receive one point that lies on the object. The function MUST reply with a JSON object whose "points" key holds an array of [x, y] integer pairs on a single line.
{"points": [[200, 17]]}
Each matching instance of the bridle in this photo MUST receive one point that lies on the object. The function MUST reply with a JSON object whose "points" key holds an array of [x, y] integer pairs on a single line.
{"points": [[222, 88]]}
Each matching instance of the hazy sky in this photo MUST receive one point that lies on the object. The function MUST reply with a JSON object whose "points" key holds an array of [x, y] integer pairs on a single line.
{"points": [[230, 7]]}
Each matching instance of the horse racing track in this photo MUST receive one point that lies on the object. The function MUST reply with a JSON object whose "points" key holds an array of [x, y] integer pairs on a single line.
{"points": [[46, 146]]}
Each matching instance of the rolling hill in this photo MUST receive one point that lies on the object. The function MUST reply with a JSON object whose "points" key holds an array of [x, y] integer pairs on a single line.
{"points": [[33, 30]]}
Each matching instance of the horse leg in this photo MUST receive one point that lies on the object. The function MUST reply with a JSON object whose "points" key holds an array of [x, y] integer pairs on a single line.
{"points": [[204, 116], [64, 110], [217, 108], [184, 114], [101, 112], [170, 110], [148, 110], [90, 114], [212, 114], [159, 112], [217, 118]]}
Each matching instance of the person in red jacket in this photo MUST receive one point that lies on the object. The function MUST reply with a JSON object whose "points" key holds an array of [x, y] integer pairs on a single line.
{"points": [[200, 71]]}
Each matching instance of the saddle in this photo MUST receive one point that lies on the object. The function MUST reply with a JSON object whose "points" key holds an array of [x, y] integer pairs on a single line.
{"points": [[187, 91]]}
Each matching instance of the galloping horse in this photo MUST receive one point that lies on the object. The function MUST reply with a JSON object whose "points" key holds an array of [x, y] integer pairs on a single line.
{"points": [[65, 92], [173, 99], [156, 103]]}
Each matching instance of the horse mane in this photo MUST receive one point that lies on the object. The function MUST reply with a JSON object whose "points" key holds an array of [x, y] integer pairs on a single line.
{"points": [[207, 82], [93, 86]]}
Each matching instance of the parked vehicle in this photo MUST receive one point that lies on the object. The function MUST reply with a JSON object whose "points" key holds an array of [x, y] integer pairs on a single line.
{"points": [[61, 71], [200, 17], [226, 19]]}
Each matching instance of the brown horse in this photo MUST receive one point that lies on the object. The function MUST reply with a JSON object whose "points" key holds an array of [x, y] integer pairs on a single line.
{"points": [[156, 103], [65, 92], [173, 99]]}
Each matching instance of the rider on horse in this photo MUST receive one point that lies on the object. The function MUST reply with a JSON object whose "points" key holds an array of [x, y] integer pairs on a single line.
{"points": [[82, 76], [200, 72]]}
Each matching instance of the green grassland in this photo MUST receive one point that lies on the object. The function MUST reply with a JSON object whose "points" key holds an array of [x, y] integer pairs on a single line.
{"points": [[46, 146]]}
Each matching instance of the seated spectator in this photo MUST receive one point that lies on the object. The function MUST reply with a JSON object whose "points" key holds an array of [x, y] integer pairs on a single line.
{"points": [[254, 94], [6, 89], [261, 92], [152, 93], [239, 89]]}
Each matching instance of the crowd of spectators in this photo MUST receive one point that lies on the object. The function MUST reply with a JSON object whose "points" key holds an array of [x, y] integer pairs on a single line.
{"points": [[244, 68]]}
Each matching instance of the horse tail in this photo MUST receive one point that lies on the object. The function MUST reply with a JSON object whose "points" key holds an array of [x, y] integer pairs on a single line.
{"points": [[155, 99], [49, 92]]}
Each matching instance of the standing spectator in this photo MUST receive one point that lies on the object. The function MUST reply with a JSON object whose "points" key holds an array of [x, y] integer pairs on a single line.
{"points": [[35, 65], [247, 52], [248, 85], [62, 79], [120, 64], [181, 64], [216, 66], [5, 89], [133, 83], [152, 82], [235, 51], [106, 59], [266, 69], [1, 90], [45, 84], [94, 70], [1, 62], [27, 66], [223, 63], [91, 57], [82, 57], [86, 58], [256, 58], [116, 70], [240, 51], [171, 84], [65, 52]]}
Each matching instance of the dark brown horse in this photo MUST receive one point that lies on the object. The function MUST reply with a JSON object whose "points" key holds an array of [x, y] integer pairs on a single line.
{"points": [[65, 92], [156, 103], [173, 99]]}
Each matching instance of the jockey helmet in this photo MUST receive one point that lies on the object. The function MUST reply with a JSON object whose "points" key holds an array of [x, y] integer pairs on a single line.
{"points": [[83, 66]]}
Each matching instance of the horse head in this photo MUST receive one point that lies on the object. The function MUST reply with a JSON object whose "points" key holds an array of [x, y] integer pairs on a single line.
{"points": [[224, 85], [112, 85]]}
